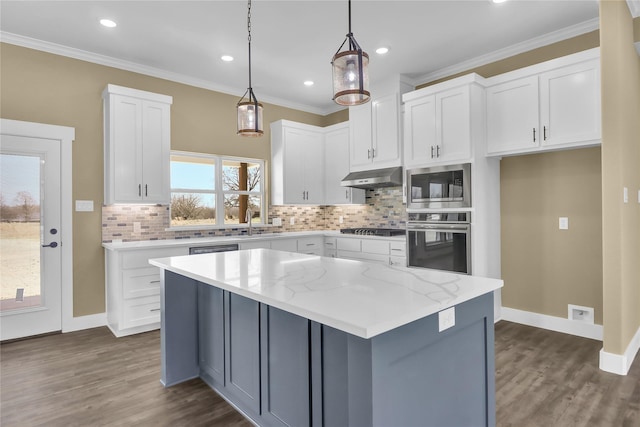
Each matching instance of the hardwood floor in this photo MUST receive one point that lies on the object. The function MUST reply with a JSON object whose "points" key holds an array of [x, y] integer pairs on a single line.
{"points": [[90, 378]]}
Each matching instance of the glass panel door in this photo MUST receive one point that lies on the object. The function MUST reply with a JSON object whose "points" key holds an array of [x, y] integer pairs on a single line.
{"points": [[20, 231]]}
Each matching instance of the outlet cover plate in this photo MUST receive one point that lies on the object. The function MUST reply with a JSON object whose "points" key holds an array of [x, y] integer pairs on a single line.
{"points": [[446, 319]]}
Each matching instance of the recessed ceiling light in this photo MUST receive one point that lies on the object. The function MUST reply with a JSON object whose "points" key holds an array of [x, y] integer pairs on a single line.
{"points": [[227, 58], [108, 23], [308, 83], [382, 50]]}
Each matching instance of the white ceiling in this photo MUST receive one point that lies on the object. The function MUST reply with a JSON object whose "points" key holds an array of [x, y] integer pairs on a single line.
{"points": [[292, 41]]}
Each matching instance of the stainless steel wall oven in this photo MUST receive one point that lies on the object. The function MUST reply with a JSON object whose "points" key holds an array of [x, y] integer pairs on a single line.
{"points": [[439, 240]]}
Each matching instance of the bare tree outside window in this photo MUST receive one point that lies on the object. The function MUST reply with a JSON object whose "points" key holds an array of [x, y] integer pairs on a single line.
{"points": [[26, 204]]}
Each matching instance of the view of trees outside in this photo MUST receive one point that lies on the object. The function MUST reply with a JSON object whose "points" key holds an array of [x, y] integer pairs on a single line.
{"points": [[19, 232], [239, 180]]}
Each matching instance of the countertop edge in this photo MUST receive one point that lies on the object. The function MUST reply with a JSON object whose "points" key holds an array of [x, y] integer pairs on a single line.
{"points": [[488, 286]]}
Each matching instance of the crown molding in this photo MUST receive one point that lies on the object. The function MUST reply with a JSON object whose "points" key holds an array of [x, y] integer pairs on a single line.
{"points": [[544, 40], [634, 7], [109, 61]]}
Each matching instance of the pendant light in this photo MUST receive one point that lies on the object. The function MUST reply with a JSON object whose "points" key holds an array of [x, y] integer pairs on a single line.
{"points": [[350, 72], [249, 109]]}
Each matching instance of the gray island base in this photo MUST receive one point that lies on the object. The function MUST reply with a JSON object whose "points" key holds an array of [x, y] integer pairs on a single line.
{"points": [[283, 369]]}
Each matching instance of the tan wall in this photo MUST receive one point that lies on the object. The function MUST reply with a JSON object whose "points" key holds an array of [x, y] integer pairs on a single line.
{"points": [[41, 87], [532, 57], [620, 168], [636, 29], [337, 117], [545, 268]]}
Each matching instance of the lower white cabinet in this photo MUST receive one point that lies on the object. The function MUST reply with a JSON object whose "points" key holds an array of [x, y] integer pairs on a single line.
{"points": [[133, 289], [392, 252], [311, 245]]}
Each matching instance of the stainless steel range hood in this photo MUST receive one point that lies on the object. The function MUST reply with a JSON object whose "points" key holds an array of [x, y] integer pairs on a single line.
{"points": [[388, 177]]}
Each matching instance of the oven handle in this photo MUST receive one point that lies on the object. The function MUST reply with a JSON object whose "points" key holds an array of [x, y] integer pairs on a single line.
{"points": [[438, 227]]}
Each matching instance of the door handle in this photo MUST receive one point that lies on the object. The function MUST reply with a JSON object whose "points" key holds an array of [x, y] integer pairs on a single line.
{"points": [[51, 245]]}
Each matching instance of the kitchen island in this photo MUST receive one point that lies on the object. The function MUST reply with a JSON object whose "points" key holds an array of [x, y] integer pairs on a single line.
{"points": [[293, 340]]}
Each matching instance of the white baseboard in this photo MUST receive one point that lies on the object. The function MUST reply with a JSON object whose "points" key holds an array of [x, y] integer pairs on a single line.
{"points": [[84, 322], [620, 363], [552, 323]]}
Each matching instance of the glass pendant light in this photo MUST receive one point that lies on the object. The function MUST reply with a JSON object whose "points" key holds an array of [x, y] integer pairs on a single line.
{"points": [[249, 109], [350, 72]]}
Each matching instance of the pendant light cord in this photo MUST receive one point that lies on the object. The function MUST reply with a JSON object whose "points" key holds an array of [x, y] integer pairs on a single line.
{"points": [[249, 39]]}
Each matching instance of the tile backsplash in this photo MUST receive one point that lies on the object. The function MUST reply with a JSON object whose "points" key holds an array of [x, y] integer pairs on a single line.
{"points": [[383, 208]]}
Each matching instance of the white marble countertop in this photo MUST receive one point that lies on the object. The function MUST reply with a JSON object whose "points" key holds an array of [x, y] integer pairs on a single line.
{"points": [[191, 242], [360, 298]]}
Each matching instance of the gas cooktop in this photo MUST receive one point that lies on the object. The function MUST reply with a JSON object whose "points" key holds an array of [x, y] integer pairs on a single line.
{"points": [[384, 232]]}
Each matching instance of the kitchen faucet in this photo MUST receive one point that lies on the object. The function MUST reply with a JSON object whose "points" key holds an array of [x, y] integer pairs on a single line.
{"points": [[247, 217]]}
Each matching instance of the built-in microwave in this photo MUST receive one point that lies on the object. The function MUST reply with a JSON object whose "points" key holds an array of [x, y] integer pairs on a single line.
{"points": [[439, 187]]}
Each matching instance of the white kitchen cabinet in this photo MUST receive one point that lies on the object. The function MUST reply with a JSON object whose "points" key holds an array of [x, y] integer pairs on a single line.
{"points": [[548, 106], [255, 244], [311, 245], [438, 127], [336, 160], [297, 166], [137, 145], [133, 289], [368, 249], [374, 140], [286, 245], [512, 116]]}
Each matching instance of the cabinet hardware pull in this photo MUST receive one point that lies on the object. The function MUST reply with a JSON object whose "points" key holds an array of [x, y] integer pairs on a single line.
{"points": [[373, 152], [437, 151], [154, 309], [139, 190], [346, 194], [399, 250], [368, 153], [303, 195], [311, 244], [544, 133], [145, 191], [432, 151], [534, 134], [155, 281]]}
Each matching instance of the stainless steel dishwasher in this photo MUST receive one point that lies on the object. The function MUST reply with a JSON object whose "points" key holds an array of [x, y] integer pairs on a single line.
{"points": [[213, 249]]}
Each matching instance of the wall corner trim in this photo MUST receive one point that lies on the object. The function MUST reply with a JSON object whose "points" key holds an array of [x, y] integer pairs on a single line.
{"points": [[620, 363], [552, 323], [85, 322]]}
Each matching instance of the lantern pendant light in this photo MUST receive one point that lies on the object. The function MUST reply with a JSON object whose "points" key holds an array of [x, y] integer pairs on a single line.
{"points": [[249, 109], [350, 72]]}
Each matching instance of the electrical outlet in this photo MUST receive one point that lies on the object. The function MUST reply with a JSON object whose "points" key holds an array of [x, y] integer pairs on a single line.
{"points": [[292, 221], [341, 219], [446, 319], [563, 223], [136, 227], [625, 195], [84, 205], [277, 222]]}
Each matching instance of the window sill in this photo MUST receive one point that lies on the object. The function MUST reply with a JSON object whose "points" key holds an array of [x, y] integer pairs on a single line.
{"points": [[218, 227]]}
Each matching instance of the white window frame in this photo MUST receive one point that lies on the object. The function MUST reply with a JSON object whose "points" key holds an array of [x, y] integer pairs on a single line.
{"points": [[219, 192]]}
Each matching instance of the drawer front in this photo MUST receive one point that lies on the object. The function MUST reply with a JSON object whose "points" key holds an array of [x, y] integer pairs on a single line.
{"points": [[361, 256], [398, 261], [140, 259], [141, 311], [330, 244], [349, 245], [140, 282], [310, 244], [287, 245], [398, 248], [375, 247], [311, 251]]}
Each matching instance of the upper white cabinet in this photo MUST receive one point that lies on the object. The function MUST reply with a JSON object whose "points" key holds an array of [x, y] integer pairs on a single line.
{"points": [[336, 160], [440, 121], [375, 140], [137, 144], [297, 166], [548, 106]]}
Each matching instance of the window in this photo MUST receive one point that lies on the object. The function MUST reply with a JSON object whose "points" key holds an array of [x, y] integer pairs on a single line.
{"points": [[215, 190]]}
